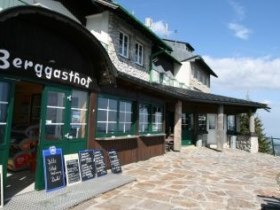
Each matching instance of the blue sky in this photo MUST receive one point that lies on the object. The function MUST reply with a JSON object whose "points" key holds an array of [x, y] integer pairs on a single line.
{"points": [[239, 39]]}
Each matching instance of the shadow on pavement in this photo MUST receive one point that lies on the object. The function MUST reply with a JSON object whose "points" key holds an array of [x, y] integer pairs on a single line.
{"points": [[270, 203]]}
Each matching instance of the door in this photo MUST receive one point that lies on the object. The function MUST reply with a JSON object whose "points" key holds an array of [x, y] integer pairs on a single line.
{"points": [[6, 108], [187, 129], [63, 124], [212, 126]]}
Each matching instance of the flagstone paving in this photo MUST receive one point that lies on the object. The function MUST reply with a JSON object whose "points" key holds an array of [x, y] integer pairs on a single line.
{"points": [[197, 178]]}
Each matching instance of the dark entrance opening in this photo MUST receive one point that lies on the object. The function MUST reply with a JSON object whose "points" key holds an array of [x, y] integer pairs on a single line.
{"points": [[24, 139]]}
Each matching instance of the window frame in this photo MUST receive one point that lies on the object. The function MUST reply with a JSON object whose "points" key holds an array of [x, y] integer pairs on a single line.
{"points": [[202, 124], [121, 50], [151, 106], [118, 130], [139, 58]]}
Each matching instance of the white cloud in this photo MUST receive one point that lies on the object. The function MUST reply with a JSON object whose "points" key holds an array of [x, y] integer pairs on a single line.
{"points": [[161, 28], [238, 10], [239, 30], [246, 73]]}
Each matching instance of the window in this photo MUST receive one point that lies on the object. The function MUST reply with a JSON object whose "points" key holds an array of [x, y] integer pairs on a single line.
{"points": [[157, 119], [55, 119], [231, 125], [187, 121], [212, 122], [123, 44], [78, 114], [114, 117], [125, 116], [107, 115], [195, 74], [143, 118], [66, 115], [4, 104], [139, 54], [202, 122], [150, 118]]}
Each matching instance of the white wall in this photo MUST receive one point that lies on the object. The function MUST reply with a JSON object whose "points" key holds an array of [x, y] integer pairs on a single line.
{"points": [[183, 73], [98, 25], [195, 83]]}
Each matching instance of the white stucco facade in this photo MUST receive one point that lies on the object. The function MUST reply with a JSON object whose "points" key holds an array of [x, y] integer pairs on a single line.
{"points": [[183, 73], [200, 80], [98, 25]]}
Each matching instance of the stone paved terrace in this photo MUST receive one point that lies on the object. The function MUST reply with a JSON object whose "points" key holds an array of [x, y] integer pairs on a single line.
{"points": [[197, 178]]}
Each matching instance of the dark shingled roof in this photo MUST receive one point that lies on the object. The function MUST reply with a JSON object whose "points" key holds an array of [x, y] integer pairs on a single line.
{"points": [[200, 61], [191, 95]]}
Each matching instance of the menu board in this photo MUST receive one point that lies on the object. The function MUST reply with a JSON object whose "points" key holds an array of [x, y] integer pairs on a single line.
{"points": [[72, 169], [53, 168], [114, 162], [87, 164], [100, 164], [1, 187]]}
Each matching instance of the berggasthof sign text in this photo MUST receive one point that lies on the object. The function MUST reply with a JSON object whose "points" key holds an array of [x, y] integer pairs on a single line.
{"points": [[41, 70]]}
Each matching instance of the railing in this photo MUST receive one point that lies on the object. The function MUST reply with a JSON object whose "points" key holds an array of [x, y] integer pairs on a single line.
{"points": [[274, 145], [162, 78]]}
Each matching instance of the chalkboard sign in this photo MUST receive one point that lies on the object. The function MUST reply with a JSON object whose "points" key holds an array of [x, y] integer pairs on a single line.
{"points": [[87, 164], [100, 164], [114, 162], [72, 168], [1, 187], [53, 169]]}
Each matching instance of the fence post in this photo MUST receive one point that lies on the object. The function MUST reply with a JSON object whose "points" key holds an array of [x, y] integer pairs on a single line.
{"points": [[272, 143]]}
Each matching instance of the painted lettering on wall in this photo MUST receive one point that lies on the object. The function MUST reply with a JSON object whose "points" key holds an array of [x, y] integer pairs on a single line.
{"points": [[41, 70]]}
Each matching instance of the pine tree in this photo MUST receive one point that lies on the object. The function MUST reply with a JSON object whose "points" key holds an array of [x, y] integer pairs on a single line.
{"points": [[244, 129]]}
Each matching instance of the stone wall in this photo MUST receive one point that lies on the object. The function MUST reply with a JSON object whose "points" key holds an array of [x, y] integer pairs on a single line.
{"points": [[247, 143], [127, 65], [243, 142]]}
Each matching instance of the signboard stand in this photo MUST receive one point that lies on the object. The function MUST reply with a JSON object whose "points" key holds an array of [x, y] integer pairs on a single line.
{"points": [[72, 168], [53, 168], [87, 164], [114, 162], [1, 187], [100, 164]]}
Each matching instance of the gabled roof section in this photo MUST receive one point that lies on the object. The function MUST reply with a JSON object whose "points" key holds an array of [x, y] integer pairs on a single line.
{"points": [[183, 51], [180, 50], [188, 45], [200, 61], [172, 57], [122, 12]]}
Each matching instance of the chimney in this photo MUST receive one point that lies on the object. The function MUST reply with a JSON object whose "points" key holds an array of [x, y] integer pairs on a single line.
{"points": [[148, 22]]}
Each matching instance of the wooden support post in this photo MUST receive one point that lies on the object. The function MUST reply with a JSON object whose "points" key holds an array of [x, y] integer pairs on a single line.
{"points": [[178, 126], [220, 131]]}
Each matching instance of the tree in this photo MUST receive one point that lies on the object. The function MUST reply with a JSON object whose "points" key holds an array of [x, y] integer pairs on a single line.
{"points": [[264, 145]]}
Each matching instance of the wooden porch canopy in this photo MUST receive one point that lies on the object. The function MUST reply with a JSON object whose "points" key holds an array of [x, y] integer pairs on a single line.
{"points": [[192, 100]]}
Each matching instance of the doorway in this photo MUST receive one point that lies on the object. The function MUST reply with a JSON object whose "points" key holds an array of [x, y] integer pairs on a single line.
{"points": [[212, 129], [24, 138], [187, 128], [34, 117]]}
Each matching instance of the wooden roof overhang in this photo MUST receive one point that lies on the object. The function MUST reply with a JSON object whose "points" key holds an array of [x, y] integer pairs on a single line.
{"points": [[193, 101]]}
